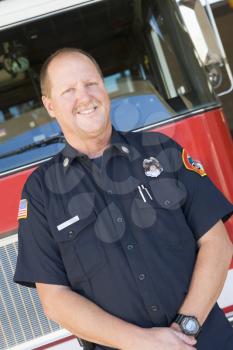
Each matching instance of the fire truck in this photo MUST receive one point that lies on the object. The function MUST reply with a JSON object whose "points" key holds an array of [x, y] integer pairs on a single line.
{"points": [[164, 67]]}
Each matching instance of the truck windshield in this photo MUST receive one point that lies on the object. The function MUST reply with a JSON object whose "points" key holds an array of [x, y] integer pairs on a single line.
{"points": [[151, 70]]}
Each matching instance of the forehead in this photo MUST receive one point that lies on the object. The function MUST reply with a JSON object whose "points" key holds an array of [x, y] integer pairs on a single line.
{"points": [[72, 65]]}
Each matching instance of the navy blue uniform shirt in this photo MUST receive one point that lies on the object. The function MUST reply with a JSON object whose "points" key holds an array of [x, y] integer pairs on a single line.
{"points": [[122, 230]]}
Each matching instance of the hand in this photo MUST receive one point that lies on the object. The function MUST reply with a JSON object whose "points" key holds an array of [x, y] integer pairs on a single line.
{"points": [[175, 326], [181, 335], [161, 339]]}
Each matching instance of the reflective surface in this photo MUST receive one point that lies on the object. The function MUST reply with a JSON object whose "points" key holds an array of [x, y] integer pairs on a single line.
{"points": [[151, 70]]}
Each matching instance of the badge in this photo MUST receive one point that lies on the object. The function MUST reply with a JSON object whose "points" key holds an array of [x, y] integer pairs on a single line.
{"points": [[23, 209], [191, 164], [152, 167]]}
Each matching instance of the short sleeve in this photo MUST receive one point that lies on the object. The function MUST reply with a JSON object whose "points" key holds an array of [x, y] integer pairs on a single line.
{"points": [[39, 258], [204, 204]]}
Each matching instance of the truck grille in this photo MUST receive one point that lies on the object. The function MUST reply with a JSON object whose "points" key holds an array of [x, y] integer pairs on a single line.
{"points": [[21, 315]]}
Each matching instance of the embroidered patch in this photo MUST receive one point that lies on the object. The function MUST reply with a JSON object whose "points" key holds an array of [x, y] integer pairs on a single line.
{"points": [[191, 164], [152, 167], [23, 209]]}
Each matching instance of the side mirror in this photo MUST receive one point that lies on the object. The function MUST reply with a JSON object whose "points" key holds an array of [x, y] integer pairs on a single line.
{"points": [[201, 26]]}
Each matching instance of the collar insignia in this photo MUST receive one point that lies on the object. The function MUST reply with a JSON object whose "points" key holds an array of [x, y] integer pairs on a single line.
{"points": [[66, 162], [152, 167], [125, 149]]}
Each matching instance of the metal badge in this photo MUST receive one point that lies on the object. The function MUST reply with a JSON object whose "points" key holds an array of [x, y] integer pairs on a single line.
{"points": [[152, 167], [66, 162]]}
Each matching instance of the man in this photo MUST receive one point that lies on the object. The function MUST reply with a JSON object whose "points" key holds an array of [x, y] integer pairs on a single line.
{"points": [[120, 258]]}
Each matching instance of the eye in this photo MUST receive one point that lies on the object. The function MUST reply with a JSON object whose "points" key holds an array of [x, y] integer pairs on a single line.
{"points": [[91, 83], [71, 89]]}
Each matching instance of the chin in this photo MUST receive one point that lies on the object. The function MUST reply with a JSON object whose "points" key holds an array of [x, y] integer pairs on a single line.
{"points": [[97, 131], [94, 128]]}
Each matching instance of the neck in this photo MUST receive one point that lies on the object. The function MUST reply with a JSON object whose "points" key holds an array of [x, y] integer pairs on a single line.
{"points": [[94, 146]]}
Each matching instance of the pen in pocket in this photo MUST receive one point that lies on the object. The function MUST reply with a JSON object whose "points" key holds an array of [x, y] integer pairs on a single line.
{"points": [[142, 188], [147, 192]]}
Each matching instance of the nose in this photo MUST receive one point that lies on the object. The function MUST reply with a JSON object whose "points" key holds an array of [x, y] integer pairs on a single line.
{"points": [[82, 95]]}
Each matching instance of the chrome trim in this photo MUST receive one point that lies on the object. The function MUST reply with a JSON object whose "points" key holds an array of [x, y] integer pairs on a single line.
{"points": [[45, 340], [221, 48], [8, 240], [45, 15], [179, 117], [22, 308], [30, 165]]}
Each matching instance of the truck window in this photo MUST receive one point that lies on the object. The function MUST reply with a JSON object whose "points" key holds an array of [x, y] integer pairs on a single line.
{"points": [[151, 70]]}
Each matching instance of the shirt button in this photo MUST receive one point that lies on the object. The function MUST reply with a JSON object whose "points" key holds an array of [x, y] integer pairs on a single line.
{"points": [[141, 276], [130, 246], [167, 202], [71, 233], [119, 219], [154, 308]]}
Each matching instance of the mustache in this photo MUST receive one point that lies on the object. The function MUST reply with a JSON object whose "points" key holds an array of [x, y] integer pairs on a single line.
{"points": [[80, 107]]}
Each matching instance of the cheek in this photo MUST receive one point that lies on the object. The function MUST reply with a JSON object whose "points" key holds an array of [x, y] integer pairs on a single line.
{"points": [[99, 94], [65, 104], [106, 101]]}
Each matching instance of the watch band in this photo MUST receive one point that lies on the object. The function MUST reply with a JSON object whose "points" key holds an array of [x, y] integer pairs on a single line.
{"points": [[179, 320]]}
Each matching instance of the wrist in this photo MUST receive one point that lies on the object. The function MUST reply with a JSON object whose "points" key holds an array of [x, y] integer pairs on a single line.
{"points": [[188, 324], [130, 338]]}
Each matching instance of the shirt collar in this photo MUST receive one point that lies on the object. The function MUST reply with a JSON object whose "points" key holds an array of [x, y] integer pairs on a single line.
{"points": [[117, 141]]}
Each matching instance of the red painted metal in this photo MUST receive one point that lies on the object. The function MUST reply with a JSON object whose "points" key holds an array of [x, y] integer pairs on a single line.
{"points": [[10, 188], [205, 136], [57, 342], [228, 309]]}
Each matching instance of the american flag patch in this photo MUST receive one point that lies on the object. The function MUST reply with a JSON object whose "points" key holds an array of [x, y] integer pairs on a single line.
{"points": [[23, 209]]}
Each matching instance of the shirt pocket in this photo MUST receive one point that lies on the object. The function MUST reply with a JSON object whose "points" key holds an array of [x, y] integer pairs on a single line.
{"points": [[81, 249], [159, 213]]}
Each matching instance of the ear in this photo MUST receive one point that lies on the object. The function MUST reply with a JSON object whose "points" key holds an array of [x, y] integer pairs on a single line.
{"points": [[47, 102]]}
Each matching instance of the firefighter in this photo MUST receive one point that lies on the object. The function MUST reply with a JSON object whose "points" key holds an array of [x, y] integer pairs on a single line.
{"points": [[122, 234]]}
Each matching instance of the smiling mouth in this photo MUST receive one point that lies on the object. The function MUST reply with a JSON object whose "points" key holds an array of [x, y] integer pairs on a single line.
{"points": [[87, 111]]}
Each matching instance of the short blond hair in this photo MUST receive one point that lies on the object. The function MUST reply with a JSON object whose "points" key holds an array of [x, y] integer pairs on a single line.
{"points": [[44, 79]]}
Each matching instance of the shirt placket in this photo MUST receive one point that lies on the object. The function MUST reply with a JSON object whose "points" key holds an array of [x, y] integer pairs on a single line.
{"points": [[137, 265]]}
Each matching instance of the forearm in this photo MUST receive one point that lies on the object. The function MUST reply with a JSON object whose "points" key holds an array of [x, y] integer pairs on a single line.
{"points": [[88, 321], [209, 275]]}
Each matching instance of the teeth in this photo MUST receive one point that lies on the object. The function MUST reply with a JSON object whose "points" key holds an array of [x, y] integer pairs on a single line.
{"points": [[88, 110]]}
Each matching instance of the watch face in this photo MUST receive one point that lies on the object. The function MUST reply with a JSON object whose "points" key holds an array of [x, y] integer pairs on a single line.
{"points": [[190, 325]]}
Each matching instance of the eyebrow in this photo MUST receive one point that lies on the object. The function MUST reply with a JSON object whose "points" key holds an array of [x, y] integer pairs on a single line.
{"points": [[67, 86]]}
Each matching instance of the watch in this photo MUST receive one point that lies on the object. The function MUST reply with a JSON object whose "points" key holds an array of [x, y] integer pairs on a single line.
{"points": [[189, 325]]}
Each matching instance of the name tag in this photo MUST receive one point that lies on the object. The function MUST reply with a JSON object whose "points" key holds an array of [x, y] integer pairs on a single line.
{"points": [[68, 223]]}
